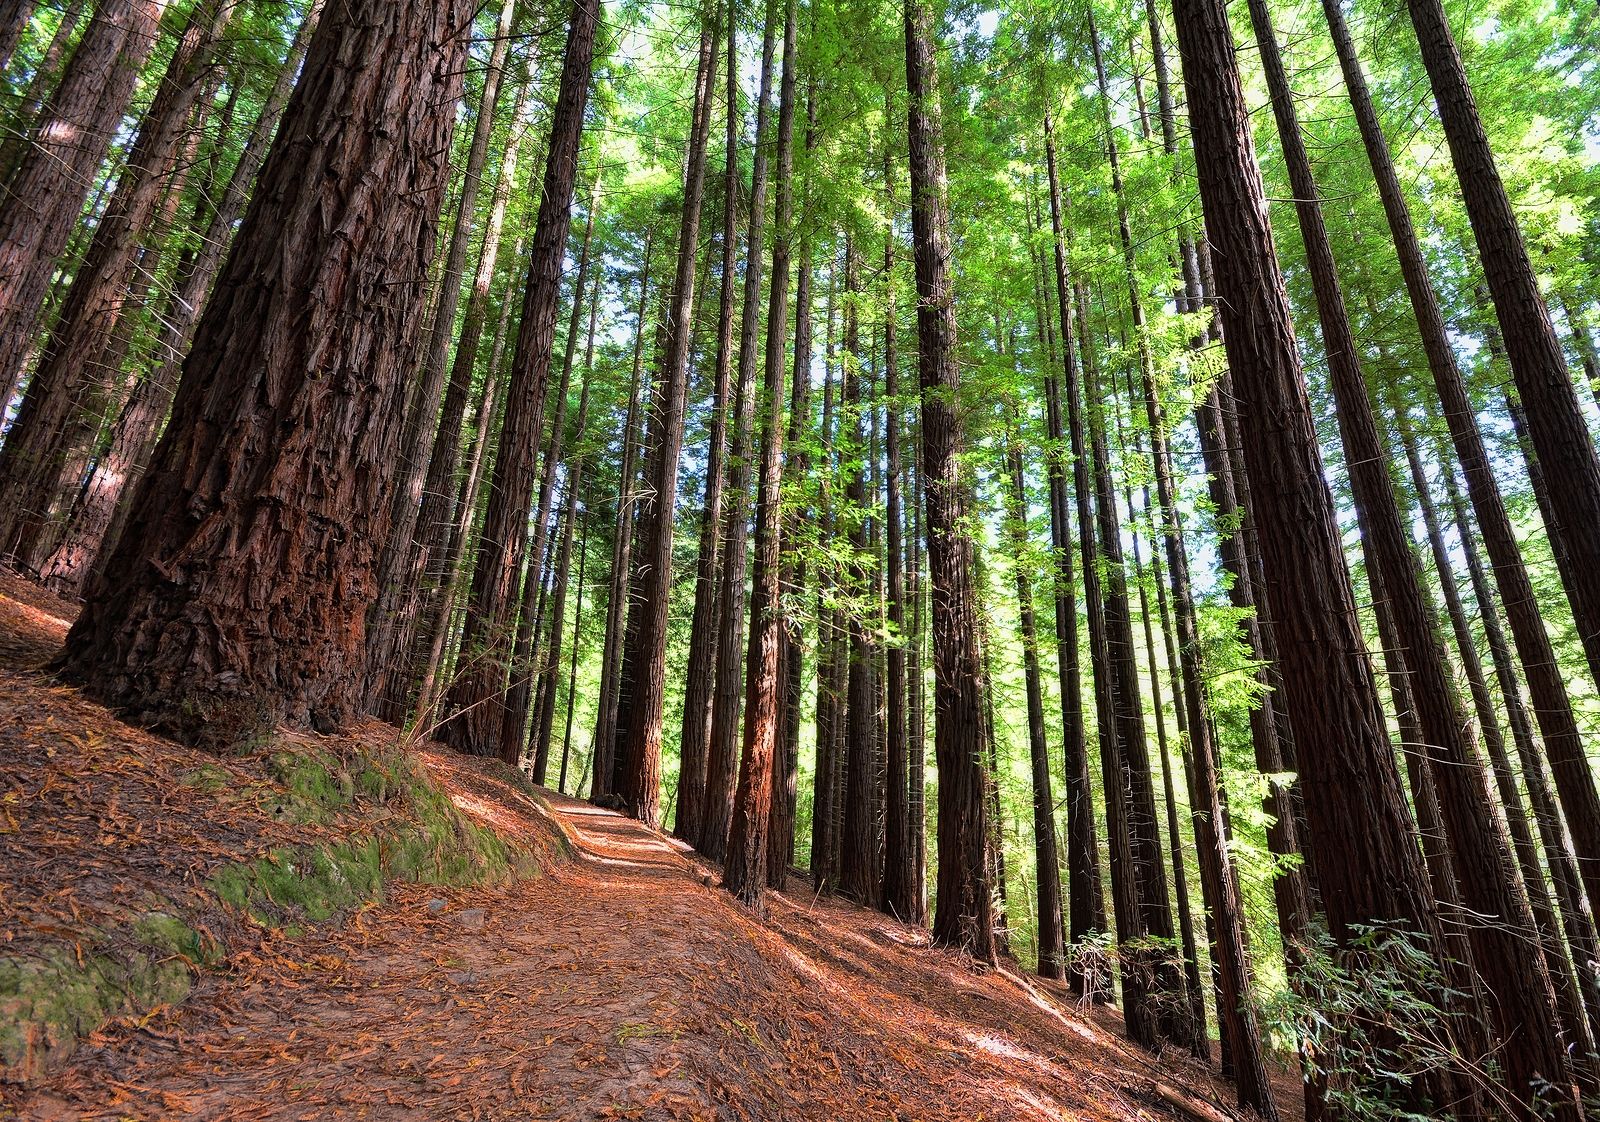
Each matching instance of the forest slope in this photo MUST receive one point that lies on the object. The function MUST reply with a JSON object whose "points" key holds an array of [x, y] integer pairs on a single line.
{"points": [[621, 983]]}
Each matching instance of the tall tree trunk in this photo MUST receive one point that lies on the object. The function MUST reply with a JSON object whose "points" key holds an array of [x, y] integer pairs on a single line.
{"points": [[1558, 966], [422, 406], [97, 516], [282, 384], [699, 679], [19, 137], [577, 642], [1086, 910], [524, 666], [1351, 786], [1555, 420], [899, 888], [1048, 871], [640, 771], [965, 916], [15, 15], [619, 585], [1576, 918], [74, 131], [48, 446], [858, 853], [749, 839], [477, 697], [1521, 1003], [1574, 779], [824, 843], [722, 761]]}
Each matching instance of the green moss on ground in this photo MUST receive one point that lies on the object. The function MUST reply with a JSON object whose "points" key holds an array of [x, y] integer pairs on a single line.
{"points": [[50, 999], [392, 823]]}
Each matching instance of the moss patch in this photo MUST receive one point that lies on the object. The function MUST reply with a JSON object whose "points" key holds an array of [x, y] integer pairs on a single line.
{"points": [[415, 834], [52, 998]]}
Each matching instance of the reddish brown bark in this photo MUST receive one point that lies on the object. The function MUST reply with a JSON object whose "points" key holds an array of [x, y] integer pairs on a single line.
{"points": [[477, 696], [235, 599], [644, 666], [965, 915], [694, 741], [722, 758], [96, 518], [1351, 786], [74, 131], [1556, 423], [388, 637]]}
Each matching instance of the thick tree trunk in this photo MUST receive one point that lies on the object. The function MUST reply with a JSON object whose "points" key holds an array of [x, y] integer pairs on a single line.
{"points": [[96, 519], [1563, 741], [699, 679], [1521, 1003], [722, 760], [15, 16], [422, 406], [1351, 786], [643, 672], [1555, 420], [477, 697], [965, 916], [235, 599], [74, 131]]}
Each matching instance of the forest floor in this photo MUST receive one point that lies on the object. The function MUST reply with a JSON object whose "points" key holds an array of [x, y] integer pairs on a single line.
{"points": [[616, 982]]}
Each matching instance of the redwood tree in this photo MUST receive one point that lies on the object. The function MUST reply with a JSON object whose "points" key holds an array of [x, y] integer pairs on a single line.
{"points": [[235, 599]]}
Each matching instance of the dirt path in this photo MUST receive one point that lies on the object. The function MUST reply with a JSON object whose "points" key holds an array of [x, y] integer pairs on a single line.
{"points": [[620, 984]]}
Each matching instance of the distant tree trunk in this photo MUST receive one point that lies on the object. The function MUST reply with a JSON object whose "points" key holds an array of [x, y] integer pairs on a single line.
{"points": [[824, 843], [644, 658], [435, 627], [699, 679], [1563, 741], [1086, 903], [74, 131], [48, 446], [1555, 420], [550, 663], [749, 839], [858, 854], [1558, 966], [477, 697], [965, 917], [1048, 871], [572, 672], [524, 665], [388, 640], [15, 16], [722, 761], [1350, 786], [1153, 988], [620, 585], [915, 730], [899, 888], [282, 383], [791, 655], [96, 519], [39, 86]]}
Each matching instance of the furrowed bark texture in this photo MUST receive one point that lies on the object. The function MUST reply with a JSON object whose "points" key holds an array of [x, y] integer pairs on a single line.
{"points": [[235, 600]]}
